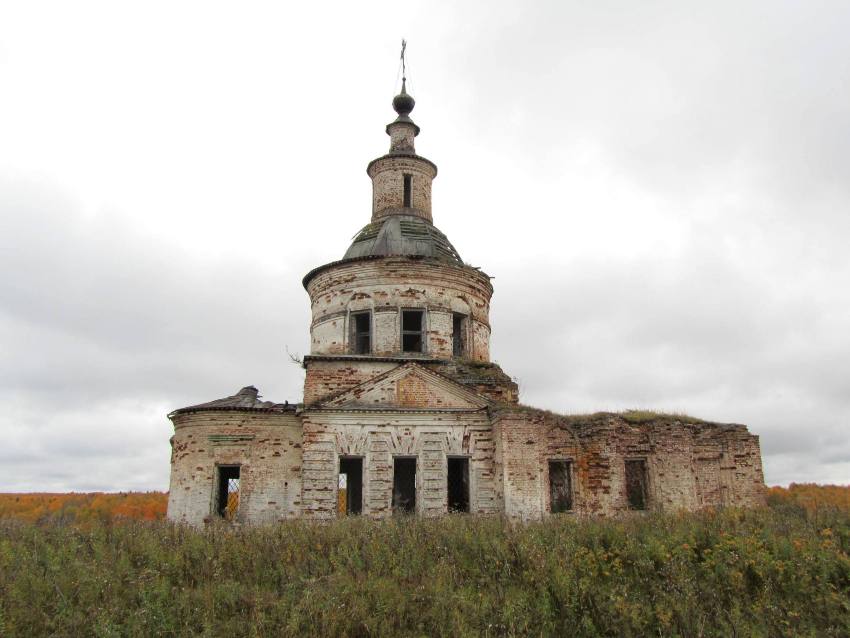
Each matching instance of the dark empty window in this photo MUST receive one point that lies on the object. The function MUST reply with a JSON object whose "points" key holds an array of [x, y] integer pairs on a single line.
{"points": [[411, 330], [458, 484], [227, 502], [350, 486], [361, 332], [560, 487], [408, 185], [458, 335], [636, 492], [404, 485]]}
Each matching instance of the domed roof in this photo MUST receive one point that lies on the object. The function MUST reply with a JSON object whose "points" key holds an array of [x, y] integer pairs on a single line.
{"points": [[403, 103], [246, 399], [403, 235]]}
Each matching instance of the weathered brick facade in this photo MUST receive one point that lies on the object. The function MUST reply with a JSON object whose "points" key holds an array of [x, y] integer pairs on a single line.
{"points": [[403, 409]]}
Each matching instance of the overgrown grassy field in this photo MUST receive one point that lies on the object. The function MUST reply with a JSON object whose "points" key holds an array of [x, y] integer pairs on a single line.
{"points": [[781, 571]]}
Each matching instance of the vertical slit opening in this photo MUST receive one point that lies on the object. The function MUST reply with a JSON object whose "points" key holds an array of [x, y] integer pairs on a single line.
{"points": [[408, 184]]}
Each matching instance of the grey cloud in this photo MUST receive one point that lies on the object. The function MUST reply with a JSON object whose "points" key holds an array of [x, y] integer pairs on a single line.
{"points": [[706, 272], [95, 309], [686, 98], [104, 332], [696, 335]]}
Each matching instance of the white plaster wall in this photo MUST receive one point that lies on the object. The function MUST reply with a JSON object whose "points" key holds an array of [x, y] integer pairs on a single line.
{"points": [[380, 436], [270, 473], [387, 285]]}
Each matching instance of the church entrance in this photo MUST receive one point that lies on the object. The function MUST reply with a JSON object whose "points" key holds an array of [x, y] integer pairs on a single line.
{"points": [[458, 487], [404, 485], [350, 495]]}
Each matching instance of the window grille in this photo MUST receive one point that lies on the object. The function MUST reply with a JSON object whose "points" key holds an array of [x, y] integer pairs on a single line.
{"points": [[228, 491]]}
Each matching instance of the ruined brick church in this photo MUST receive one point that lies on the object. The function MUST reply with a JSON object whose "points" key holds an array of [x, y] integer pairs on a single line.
{"points": [[403, 411]]}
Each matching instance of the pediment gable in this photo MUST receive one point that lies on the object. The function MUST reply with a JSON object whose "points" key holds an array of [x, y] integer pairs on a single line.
{"points": [[408, 386]]}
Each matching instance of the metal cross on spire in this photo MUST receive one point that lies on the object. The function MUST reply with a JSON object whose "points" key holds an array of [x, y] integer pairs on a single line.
{"points": [[403, 66]]}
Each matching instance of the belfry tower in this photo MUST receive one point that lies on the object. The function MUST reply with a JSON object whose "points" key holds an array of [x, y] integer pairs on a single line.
{"points": [[401, 290], [403, 411], [400, 328]]}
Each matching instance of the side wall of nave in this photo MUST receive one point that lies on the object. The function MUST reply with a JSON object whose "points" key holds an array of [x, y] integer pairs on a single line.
{"points": [[688, 465]]}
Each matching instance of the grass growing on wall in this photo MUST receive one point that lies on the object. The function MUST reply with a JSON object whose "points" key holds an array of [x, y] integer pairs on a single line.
{"points": [[781, 571]]}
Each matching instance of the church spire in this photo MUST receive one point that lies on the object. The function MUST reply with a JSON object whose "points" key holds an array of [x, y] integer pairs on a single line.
{"points": [[403, 129], [401, 179]]}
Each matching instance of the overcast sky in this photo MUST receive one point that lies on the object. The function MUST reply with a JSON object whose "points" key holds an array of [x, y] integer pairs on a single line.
{"points": [[660, 189]]}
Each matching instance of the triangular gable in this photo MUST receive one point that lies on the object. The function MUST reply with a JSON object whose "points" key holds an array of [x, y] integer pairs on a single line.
{"points": [[408, 386]]}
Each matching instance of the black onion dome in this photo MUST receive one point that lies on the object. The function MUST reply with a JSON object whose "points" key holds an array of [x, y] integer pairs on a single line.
{"points": [[403, 235], [403, 103]]}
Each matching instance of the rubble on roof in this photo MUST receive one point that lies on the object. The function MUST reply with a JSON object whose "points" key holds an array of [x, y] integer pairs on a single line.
{"points": [[248, 398]]}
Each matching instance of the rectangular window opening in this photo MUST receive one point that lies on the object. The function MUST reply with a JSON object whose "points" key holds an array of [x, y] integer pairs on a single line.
{"points": [[404, 485], [560, 487], [350, 496], [458, 335], [408, 184], [458, 484], [361, 332], [227, 503], [412, 338], [636, 492]]}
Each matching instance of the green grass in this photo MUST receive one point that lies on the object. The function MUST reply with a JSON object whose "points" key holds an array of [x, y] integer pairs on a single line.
{"points": [[630, 416], [646, 416], [771, 572]]}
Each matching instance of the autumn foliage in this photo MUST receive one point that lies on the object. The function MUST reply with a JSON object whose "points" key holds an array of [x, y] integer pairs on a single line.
{"points": [[810, 496], [84, 509]]}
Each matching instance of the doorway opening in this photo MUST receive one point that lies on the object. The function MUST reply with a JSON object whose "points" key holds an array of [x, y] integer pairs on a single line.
{"points": [[404, 484], [350, 495], [458, 478], [227, 501], [636, 492], [560, 487]]}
